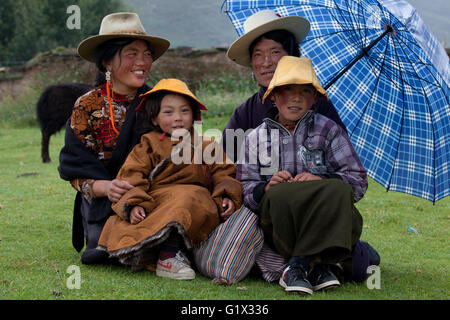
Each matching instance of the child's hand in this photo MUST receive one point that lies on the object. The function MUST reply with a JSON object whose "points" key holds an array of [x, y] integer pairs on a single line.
{"points": [[306, 176], [137, 214], [280, 176], [228, 207]]}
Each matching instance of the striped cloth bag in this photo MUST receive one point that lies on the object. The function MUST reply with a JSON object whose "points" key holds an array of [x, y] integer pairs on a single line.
{"points": [[229, 253], [271, 264]]}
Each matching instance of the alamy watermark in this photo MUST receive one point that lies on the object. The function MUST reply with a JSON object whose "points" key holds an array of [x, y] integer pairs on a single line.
{"points": [[74, 280], [261, 147], [74, 20], [374, 279]]}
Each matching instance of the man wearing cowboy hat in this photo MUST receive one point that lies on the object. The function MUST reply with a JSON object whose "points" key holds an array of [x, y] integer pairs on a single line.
{"points": [[267, 38]]}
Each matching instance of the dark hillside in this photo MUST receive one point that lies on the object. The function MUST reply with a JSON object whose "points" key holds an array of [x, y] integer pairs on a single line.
{"points": [[64, 65]]}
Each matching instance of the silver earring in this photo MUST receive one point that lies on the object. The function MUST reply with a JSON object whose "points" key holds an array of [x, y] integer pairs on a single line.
{"points": [[108, 76]]}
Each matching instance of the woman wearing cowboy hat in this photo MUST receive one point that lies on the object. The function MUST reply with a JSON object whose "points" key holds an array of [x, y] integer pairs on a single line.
{"points": [[267, 38], [104, 125]]}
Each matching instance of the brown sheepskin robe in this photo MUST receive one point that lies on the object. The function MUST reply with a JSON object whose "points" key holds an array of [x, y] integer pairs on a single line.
{"points": [[175, 196]]}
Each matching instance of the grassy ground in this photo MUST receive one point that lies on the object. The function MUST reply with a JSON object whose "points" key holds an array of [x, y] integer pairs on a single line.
{"points": [[35, 241]]}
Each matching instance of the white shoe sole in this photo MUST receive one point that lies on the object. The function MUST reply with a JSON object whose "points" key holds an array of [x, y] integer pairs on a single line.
{"points": [[294, 288], [327, 285], [176, 276]]}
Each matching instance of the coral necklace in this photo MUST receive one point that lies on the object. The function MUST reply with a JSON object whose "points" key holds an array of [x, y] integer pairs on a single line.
{"points": [[108, 93]]}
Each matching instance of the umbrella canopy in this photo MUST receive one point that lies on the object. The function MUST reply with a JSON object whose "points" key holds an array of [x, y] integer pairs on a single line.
{"points": [[388, 78]]}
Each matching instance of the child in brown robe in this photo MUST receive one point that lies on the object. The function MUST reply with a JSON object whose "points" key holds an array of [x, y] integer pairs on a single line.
{"points": [[177, 200]]}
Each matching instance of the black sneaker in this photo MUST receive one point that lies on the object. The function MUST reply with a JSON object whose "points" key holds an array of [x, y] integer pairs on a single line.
{"points": [[321, 277], [294, 280], [94, 256]]}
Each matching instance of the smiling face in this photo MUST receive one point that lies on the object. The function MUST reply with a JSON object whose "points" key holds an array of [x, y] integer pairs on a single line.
{"points": [[175, 113], [265, 57], [293, 101], [130, 66]]}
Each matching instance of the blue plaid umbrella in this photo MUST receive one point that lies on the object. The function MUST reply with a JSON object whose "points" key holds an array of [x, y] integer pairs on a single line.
{"points": [[388, 78]]}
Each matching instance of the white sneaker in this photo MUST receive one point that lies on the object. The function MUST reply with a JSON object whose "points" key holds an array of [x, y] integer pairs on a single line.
{"points": [[177, 267]]}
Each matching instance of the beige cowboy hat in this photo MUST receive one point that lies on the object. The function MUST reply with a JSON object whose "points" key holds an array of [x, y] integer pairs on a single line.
{"points": [[173, 85], [294, 70], [121, 25], [260, 23]]}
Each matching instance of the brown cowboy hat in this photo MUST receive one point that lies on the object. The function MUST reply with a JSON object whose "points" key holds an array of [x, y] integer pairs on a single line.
{"points": [[121, 25], [260, 23]]}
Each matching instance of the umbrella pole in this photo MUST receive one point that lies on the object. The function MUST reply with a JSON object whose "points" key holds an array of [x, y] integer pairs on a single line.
{"points": [[363, 52]]}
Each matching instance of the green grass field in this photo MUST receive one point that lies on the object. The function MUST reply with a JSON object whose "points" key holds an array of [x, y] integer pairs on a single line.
{"points": [[36, 250]]}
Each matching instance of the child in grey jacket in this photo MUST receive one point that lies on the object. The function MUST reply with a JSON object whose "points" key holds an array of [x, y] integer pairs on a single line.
{"points": [[301, 175]]}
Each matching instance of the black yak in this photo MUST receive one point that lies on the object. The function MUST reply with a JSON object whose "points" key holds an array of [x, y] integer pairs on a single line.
{"points": [[55, 107]]}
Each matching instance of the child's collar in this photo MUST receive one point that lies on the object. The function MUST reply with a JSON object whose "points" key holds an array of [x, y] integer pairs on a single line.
{"points": [[290, 125], [165, 134]]}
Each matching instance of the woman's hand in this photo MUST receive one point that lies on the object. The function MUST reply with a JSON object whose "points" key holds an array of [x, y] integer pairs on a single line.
{"points": [[137, 214], [114, 189], [280, 176], [306, 176], [229, 208]]}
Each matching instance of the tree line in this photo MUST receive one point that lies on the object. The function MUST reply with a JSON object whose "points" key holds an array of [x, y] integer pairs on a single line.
{"points": [[31, 26]]}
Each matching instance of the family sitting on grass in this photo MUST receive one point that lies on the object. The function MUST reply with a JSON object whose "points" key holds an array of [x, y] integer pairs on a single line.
{"points": [[285, 210]]}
